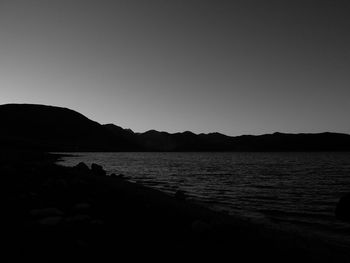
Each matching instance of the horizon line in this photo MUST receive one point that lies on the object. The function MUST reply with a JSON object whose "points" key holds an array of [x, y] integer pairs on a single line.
{"points": [[177, 132]]}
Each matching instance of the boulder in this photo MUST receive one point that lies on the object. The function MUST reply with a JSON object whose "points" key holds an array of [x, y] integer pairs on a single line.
{"points": [[81, 207], [82, 167], [50, 221], [119, 176], [97, 222], [97, 170], [200, 227], [342, 210], [46, 212], [79, 219], [54, 183], [180, 195]]}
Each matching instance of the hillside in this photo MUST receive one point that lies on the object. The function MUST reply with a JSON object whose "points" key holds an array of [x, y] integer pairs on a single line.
{"points": [[40, 127], [51, 128]]}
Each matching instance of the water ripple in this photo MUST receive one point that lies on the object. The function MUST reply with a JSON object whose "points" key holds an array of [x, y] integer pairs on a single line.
{"points": [[294, 187]]}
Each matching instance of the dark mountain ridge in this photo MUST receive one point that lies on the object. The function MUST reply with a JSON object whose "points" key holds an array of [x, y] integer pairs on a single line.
{"points": [[40, 127]]}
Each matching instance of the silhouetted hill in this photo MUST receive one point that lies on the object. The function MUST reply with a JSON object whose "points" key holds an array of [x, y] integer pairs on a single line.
{"points": [[125, 136], [157, 141], [185, 141], [188, 141], [293, 142], [27, 126], [51, 128]]}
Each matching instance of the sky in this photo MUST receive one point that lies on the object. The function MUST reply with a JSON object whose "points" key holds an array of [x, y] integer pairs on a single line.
{"points": [[235, 67]]}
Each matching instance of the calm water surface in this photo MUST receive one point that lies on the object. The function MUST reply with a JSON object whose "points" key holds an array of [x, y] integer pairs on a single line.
{"points": [[292, 188]]}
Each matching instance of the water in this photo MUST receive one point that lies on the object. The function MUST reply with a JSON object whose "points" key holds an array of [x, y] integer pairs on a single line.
{"points": [[299, 189]]}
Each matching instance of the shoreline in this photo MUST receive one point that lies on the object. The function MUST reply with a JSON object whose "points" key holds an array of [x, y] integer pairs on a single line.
{"points": [[274, 228], [79, 212], [306, 218]]}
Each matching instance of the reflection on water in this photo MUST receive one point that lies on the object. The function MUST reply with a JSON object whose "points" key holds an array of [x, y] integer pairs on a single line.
{"points": [[300, 188]]}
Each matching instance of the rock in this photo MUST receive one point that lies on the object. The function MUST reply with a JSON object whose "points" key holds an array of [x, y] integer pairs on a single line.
{"points": [[78, 219], [61, 184], [180, 195], [46, 212], [81, 243], [50, 221], [342, 210], [55, 184], [119, 176], [82, 207], [97, 170], [200, 227], [97, 222], [82, 167], [33, 195]]}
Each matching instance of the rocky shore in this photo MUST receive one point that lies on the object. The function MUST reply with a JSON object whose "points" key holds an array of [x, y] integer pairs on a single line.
{"points": [[56, 213]]}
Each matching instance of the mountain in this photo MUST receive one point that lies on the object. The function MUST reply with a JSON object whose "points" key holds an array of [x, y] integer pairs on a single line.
{"points": [[293, 142], [185, 141], [125, 136], [40, 127]]}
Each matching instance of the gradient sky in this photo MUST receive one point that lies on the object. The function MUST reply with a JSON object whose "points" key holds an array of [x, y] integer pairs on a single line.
{"points": [[236, 67]]}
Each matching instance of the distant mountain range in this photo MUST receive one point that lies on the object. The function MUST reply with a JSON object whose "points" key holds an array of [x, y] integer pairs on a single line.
{"points": [[40, 127]]}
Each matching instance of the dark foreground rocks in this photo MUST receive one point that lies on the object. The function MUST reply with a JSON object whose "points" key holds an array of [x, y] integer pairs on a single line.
{"points": [[54, 213], [342, 210]]}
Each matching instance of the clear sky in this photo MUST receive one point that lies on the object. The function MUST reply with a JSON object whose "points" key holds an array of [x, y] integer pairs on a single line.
{"points": [[236, 67]]}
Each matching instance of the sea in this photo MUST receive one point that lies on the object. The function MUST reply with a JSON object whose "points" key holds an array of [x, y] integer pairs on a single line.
{"points": [[299, 190]]}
